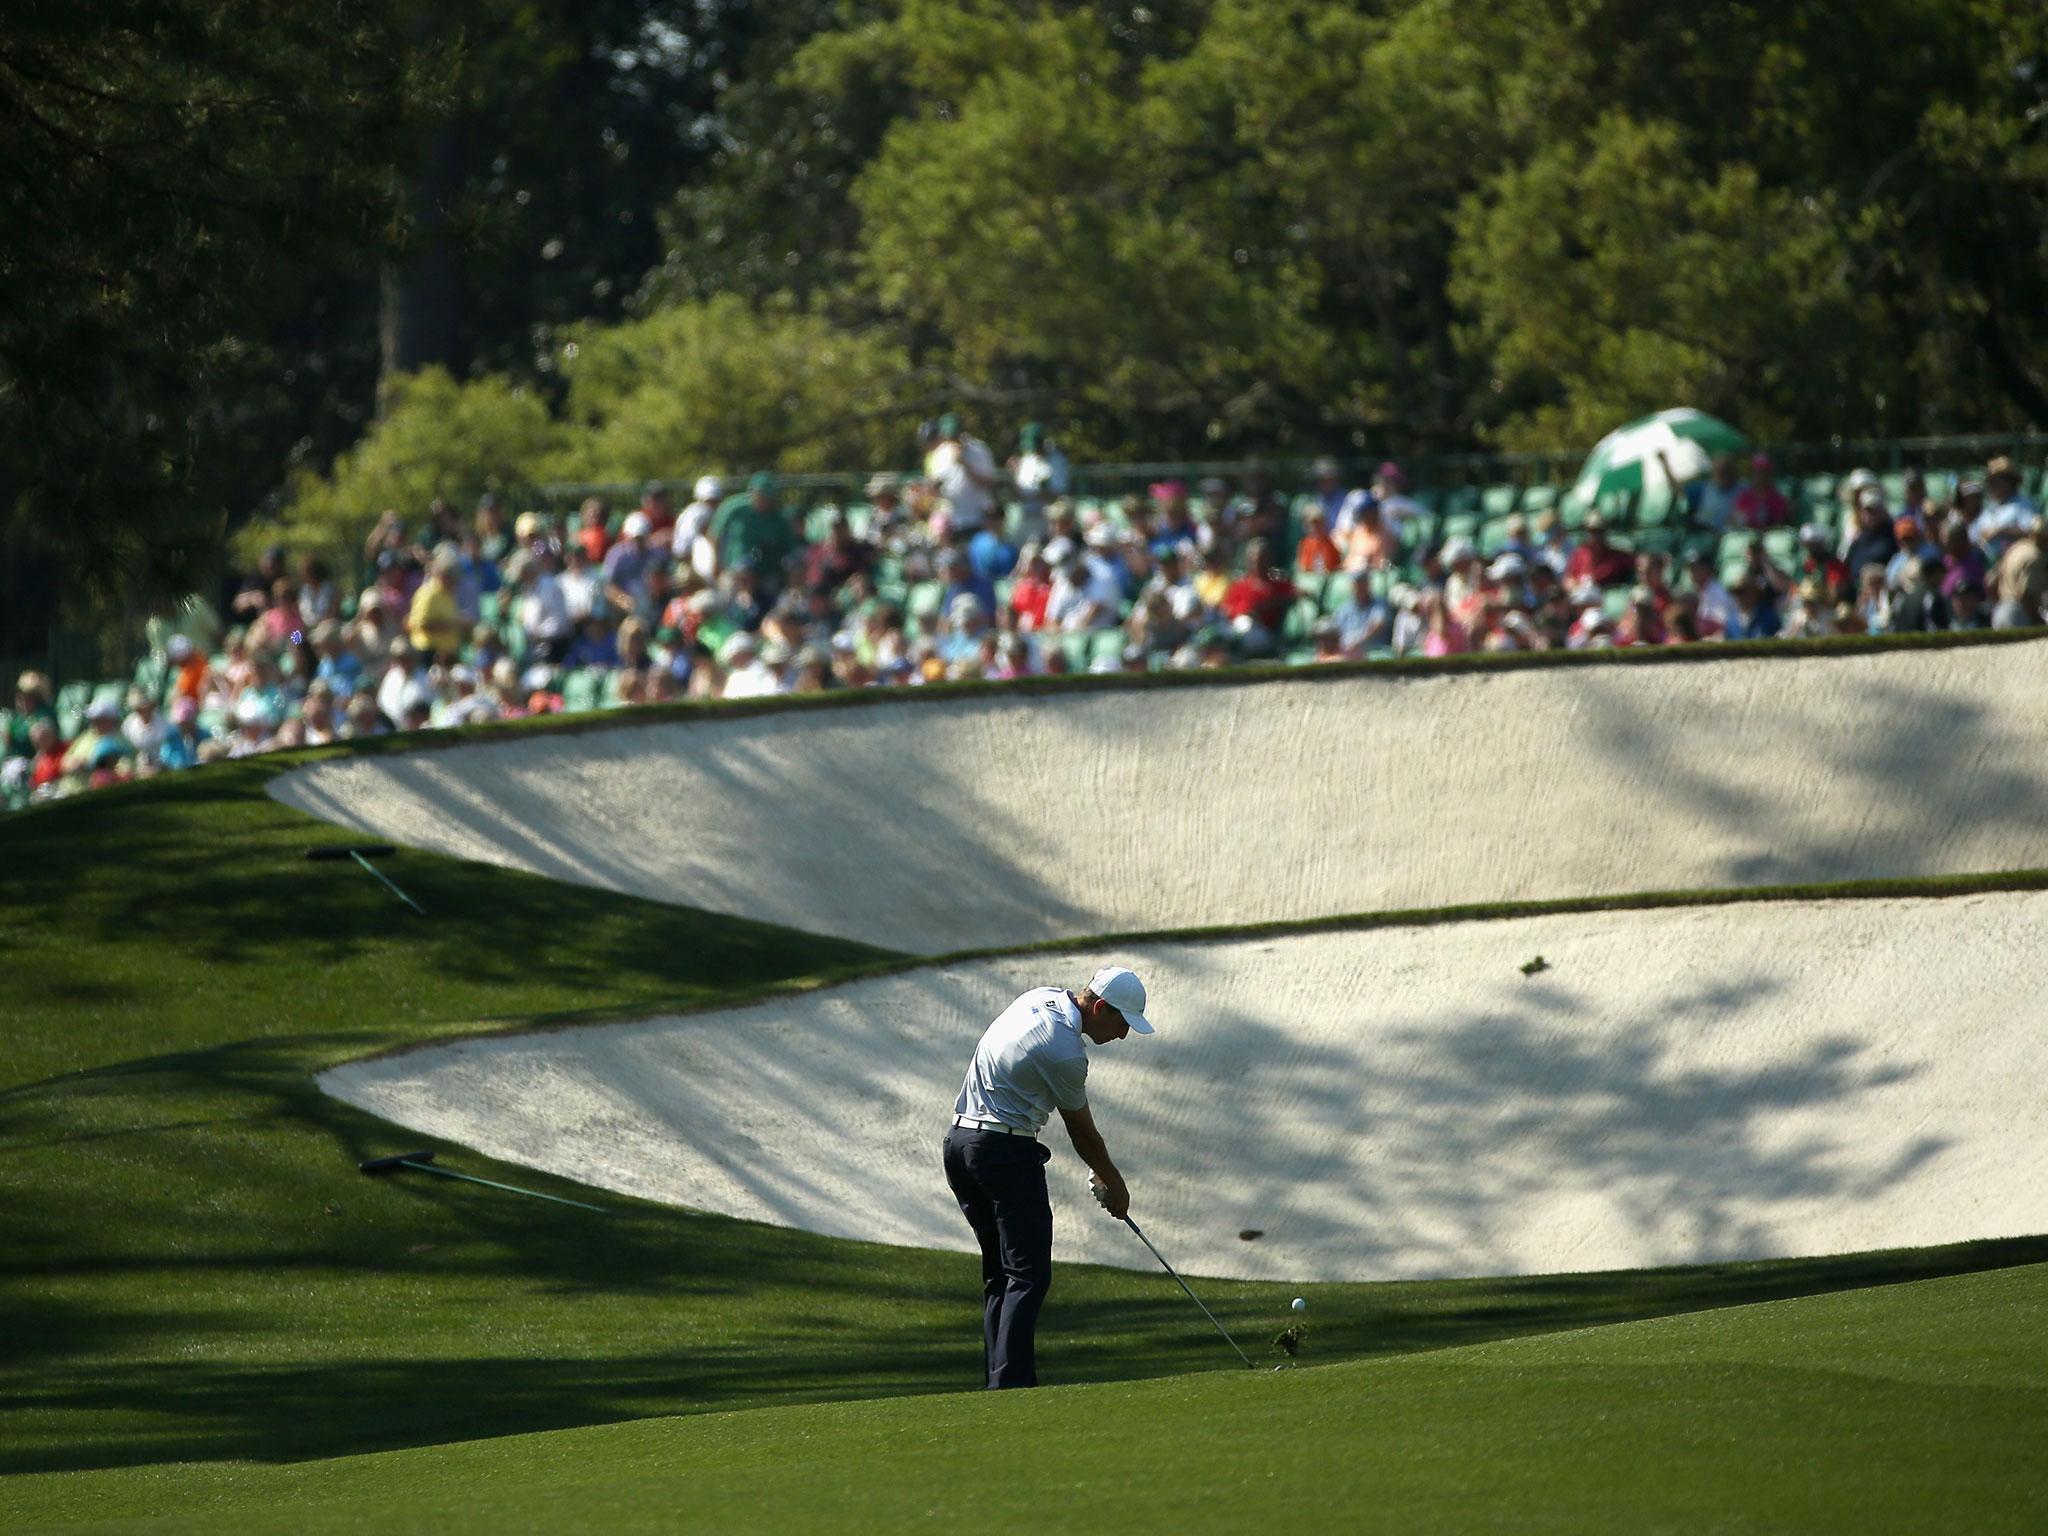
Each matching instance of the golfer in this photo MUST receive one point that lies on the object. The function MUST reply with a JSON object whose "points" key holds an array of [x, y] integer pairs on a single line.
{"points": [[1031, 1061]]}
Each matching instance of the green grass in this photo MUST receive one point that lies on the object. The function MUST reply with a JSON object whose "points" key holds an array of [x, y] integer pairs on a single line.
{"points": [[1911, 1408], [194, 1272]]}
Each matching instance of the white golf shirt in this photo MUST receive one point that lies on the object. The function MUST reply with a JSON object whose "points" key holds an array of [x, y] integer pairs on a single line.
{"points": [[1031, 1061]]}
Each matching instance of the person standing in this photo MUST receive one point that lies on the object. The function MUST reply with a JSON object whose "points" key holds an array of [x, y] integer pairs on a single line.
{"points": [[1032, 1060]]}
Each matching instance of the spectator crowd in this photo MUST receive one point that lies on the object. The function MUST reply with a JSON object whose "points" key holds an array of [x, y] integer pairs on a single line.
{"points": [[975, 570]]}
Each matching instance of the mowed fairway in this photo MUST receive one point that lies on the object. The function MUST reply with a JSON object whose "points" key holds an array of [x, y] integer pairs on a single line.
{"points": [[1910, 1408]]}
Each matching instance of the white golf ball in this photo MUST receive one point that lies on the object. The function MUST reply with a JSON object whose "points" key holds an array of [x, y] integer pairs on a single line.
{"points": [[1301, 1303]]}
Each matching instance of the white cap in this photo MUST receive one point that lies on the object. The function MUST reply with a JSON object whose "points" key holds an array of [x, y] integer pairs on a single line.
{"points": [[636, 525], [710, 488], [1122, 990]]}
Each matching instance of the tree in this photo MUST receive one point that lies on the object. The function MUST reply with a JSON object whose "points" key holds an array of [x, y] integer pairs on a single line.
{"points": [[173, 168]]}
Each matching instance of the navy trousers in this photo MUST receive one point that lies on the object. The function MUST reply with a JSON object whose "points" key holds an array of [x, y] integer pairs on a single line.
{"points": [[1000, 1183]]}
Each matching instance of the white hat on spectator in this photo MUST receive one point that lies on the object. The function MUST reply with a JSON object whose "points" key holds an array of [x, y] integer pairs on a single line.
{"points": [[1508, 567], [1459, 548], [966, 602], [252, 711], [739, 642], [635, 525], [1870, 496], [462, 674], [1858, 479], [178, 648], [1592, 614], [709, 487]]}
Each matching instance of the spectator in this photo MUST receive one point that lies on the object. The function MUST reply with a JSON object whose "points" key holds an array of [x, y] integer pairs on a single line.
{"points": [[626, 564], [2006, 515], [1085, 596], [1711, 501], [1176, 529], [1965, 602], [1362, 621], [595, 645], [318, 598], [1873, 542], [31, 703], [990, 558], [1371, 543], [964, 472], [434, 622], [144, 729], [1032, 590], [752, 529], [1041, 475], [593, 532], [488, 525], [1916, 606], [182, 742], [401, 671], [1317, 554], [1328, 494], [690, 542], [1760, 504], [747, 675], [1596, 563], [582, 586], [46, 754], [317, 725], [1390, 494], [1213, 516], [1756, 614], [257, 588], [1442, 634], [658, 508], [1256, 604], [1713, 607], [2019, 582], [280, 622], [543, 607]]}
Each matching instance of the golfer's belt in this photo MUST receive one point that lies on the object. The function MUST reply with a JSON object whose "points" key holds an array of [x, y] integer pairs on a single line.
{"points": [[967, 1124]]}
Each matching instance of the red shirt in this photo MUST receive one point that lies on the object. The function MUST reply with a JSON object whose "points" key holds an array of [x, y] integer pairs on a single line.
{"points": [[1263, 597], [1764, 507], [49, 767], [1604, 567], [1028, 599], [595, 542], [1318, 552]]}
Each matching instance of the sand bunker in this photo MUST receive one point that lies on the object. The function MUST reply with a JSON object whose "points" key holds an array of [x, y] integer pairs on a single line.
{"points": [[1004, 820], [1678, 1086]]}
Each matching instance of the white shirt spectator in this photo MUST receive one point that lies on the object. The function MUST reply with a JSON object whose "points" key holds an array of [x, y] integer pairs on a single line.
{"points": [[1714, 606], [1089, 597], [579, 592], [544, 608], [146, 736], [1029, 1062], [692, 524], [752, 679], [950, 466], [1042, 476]]}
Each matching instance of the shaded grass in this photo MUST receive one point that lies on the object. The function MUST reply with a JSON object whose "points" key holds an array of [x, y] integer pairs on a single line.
{"points": [[1912, 1408]]}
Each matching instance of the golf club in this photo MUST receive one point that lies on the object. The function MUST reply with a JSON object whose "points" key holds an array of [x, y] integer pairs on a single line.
{"points": [[423, 1162], [1191, 1295], [358, 852]]}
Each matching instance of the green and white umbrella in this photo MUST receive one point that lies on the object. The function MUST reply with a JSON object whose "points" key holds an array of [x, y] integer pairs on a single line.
{"points": [[1626, 459]]}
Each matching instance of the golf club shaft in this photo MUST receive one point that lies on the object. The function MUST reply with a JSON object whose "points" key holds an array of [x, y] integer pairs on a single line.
{"points": [[373, 869], [533, 1194], [1247, 1359]]}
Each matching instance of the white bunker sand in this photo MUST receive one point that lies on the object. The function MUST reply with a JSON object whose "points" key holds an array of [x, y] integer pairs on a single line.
{"points": [[1679, 1086], [1007, 819]]}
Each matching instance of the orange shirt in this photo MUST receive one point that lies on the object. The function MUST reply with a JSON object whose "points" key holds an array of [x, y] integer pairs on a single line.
{"points": [[1318, 552]]}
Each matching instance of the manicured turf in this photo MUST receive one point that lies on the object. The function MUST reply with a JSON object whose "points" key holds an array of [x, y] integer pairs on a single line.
{"points": [[194, 1272], [1909, 1408]]}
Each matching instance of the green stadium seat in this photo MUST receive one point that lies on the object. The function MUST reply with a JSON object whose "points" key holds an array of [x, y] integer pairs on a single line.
{"points": [[580, 689], [1782, 545], [1311, 584], [1300, 619], [1077, 648], [1540, 498], [1614, 602], [1493, 537], [1499, 500], [924, 599], [1422, 531], [1735, 543], [1460, 525], [1105, 645], [1463, 501], [1817, 491]]}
